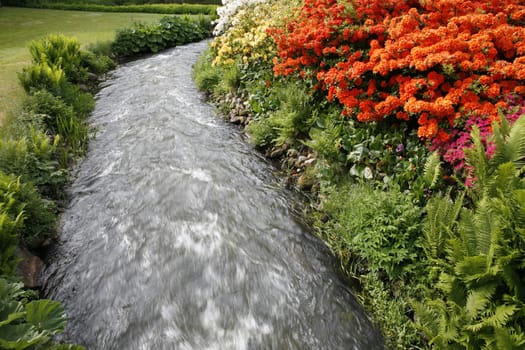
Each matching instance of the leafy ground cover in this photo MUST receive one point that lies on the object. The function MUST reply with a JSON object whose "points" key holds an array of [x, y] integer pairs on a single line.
{"points": [[405, 117], [19, 26]]}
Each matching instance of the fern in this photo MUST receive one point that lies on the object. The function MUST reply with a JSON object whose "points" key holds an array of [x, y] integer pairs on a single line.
{"points": [[432, 170], [442, 216], [482, 285], [510, 144]]}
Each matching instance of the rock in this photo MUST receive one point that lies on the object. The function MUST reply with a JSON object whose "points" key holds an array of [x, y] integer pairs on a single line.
{"points": [[299, 162], [305, 182], [237, 119], [309, 161], [277, 152], [29, 268]]}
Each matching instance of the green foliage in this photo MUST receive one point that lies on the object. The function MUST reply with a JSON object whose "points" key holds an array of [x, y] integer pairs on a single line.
{"points": [[377, 226], [481, 288], [289, 122], [432, 170], [295, 115], [9, 230], [43, 76], [82, 102], [39, 214], [98, 62], [60, 51], [169, 32], [441, 220], [75, 135], [390, 311], [262, 133], [206, 76], [27, 323], [230, 81], [48, 107], [32, 157]]}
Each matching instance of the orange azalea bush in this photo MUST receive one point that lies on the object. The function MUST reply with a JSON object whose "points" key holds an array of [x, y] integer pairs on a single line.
{"points": [[443, 64]]}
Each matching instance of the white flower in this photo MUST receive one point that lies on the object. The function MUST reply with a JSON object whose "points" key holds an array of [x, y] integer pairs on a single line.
{"points": [[228, 10]]}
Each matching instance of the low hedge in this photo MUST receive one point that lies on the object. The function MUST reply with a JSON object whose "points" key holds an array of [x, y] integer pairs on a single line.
{"points": [[174, 9]]}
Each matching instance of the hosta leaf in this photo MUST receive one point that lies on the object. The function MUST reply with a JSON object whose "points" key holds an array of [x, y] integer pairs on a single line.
{"points": [[10, 318], [21, 336], [46, 315]]}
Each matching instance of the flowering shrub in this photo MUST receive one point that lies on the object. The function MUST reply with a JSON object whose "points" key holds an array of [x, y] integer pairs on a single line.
{"points": [[444, 64], [227, 11], [453, 150], [246, 35]]}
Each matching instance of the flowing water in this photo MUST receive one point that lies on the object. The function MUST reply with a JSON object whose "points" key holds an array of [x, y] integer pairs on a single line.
{"points": [[179, 236]]}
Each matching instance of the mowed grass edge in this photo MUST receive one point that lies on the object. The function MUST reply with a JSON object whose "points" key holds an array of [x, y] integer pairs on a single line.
{"points": [[19, 26]]}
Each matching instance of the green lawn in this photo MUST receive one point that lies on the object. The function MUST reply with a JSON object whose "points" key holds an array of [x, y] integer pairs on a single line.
{"points": [[19, 26]]}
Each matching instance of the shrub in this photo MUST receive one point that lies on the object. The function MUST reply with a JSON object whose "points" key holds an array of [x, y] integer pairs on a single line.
{"points": [[82, 102], [169, 32], [60, 51], [205, 76], [33, 158], [43, 76], [98, 63], [39, 214], [383, 234], [48, 106], [440, 64], [75, 134]]}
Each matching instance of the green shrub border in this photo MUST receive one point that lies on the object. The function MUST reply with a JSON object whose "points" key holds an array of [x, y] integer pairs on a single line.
{"points": [[173, 9]]}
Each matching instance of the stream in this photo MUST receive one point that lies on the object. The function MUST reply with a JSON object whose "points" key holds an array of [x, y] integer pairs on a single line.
{"points": [[179, 235]]}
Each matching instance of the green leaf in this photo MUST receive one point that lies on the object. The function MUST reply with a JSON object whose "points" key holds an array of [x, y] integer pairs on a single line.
{"points": [[46, 315]]}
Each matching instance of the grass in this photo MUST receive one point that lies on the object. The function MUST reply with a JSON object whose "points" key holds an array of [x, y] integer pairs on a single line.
{"points": [[19, 26]]}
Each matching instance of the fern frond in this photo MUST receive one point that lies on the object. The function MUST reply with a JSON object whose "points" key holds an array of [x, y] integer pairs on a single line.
{"points": [[478, 300], [498, 319], [508, 339], [510, 144], [432, 170], [477, 158], [442, 217]]}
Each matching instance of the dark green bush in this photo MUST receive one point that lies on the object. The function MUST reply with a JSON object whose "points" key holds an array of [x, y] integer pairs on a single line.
{"points": [[82, 102], [169, 32], [48, 107], [97, 63]]}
